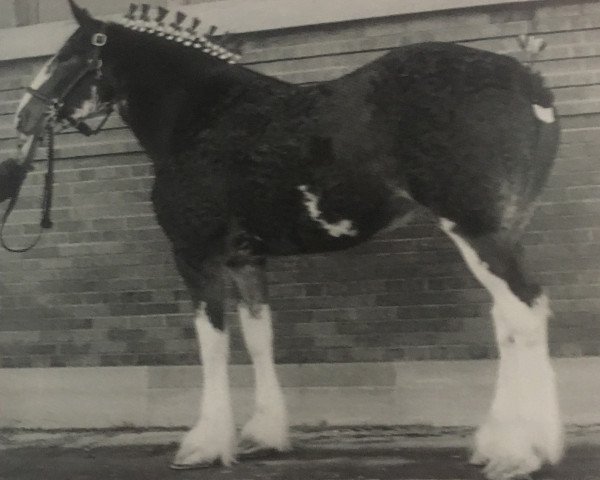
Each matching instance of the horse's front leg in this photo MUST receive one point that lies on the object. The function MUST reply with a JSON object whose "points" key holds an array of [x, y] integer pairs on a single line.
{"points": [[212, 439], [267, 429]]}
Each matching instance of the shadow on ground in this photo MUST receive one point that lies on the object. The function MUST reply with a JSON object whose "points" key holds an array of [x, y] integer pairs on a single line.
{"points": [[318, 458]]}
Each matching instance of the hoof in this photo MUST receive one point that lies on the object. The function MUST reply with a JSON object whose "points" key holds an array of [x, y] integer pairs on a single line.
{"points": [[202, 448], [478, 460], [196, 466], [514, 450], [508, 469], [269, 434], [251, 450]]}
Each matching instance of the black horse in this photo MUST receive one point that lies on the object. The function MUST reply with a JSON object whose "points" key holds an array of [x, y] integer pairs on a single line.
{"points": [[248, 166]]}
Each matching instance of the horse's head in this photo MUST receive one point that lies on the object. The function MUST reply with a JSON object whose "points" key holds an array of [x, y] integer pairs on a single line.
{"points": [[70, 86], [75, 84]]}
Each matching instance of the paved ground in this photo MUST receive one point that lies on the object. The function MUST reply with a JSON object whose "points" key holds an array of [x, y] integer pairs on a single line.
{"points": [[342, 454]]}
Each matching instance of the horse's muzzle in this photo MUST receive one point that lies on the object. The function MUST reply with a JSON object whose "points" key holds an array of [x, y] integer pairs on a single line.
{"points": [[32, 116]]}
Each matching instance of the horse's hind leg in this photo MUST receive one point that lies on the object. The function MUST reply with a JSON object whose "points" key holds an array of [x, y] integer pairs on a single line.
{"points": [[212, 439], [523, 429], [267, 429]]}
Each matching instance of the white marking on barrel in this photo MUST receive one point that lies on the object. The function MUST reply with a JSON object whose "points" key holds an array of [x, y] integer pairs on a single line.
{"points": [[337, 229]]}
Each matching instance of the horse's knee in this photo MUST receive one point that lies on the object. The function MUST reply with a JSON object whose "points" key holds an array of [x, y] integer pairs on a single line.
{"points": [[495, 260], [246, 266], [206, 284], [504, 260]]}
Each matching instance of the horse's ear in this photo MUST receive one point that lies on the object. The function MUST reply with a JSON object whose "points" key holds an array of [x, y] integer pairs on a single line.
{"points": [[81, 14]]}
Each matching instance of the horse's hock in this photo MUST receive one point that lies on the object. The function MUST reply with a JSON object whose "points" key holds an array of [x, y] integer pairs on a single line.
{"points": [[393, 331]]}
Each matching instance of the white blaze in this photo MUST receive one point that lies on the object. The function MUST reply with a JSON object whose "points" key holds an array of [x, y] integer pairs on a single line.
{"points": [[337, 229], [26, 143], [43, 75]]}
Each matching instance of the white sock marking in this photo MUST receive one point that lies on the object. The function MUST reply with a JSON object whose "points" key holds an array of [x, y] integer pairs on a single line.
{"points": [[343, 227], [268, 426], [545, 114], [523, 430], [214, 434]]}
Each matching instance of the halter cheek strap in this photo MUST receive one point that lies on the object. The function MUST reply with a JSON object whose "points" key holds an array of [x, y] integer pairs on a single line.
{"points": [[98, 39], [93, 64]]}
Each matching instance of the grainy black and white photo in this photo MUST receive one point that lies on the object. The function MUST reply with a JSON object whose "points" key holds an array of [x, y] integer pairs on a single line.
{"points": [[290, 239]]}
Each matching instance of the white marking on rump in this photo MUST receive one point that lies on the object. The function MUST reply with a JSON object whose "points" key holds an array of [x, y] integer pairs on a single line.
{"points": [[523, 430], [43, 75], [213, 436], [268, 426], [337, 229], [545, 114]]}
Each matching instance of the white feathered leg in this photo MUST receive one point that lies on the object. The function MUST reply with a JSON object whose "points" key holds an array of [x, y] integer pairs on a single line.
{"points": [[523, 430], [212, 439], [268, 427]]}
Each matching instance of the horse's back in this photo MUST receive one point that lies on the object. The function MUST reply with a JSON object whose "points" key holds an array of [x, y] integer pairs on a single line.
{"points": [[329, 165], [468, 138]]}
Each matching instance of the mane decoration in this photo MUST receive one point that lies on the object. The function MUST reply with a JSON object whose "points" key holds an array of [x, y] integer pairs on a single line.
{"points": [[171, 27]]}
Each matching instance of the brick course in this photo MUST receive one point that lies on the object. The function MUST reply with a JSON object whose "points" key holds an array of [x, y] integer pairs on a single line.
{"points": [[101, 287]]}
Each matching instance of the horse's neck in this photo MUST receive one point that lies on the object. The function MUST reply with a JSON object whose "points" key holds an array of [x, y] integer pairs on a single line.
{"points": [[164, 105]]}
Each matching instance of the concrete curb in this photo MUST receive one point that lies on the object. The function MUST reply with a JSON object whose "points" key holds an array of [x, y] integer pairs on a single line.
{"points": [[438, 393]]}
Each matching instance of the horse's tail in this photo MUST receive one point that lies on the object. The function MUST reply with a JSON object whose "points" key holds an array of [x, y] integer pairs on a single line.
{"points": [[548, 129]]}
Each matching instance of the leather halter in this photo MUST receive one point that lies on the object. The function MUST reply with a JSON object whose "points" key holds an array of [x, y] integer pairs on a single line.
{"points": [[92, 64]]}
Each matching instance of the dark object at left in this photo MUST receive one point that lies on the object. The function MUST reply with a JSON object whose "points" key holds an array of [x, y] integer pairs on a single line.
{"points": [[12, 175]]}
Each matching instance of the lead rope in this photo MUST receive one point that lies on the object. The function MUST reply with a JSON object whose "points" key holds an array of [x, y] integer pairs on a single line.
{"points": [[45, 221]]}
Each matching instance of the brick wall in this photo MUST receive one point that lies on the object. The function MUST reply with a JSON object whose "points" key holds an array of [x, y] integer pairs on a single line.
{"points": [[101, 288]]}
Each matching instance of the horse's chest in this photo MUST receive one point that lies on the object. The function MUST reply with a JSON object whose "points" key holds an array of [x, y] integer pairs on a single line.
{"points": [[191, 207]]}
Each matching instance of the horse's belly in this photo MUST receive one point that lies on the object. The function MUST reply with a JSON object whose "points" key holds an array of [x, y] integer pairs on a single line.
{"points": [[312, 218]]}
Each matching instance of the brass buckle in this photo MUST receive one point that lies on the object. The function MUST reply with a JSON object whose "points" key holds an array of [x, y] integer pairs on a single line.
{"points": [[99, 39]]}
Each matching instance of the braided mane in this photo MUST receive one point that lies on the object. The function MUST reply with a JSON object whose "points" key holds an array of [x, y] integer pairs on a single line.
{"points": [[171, 25]]}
